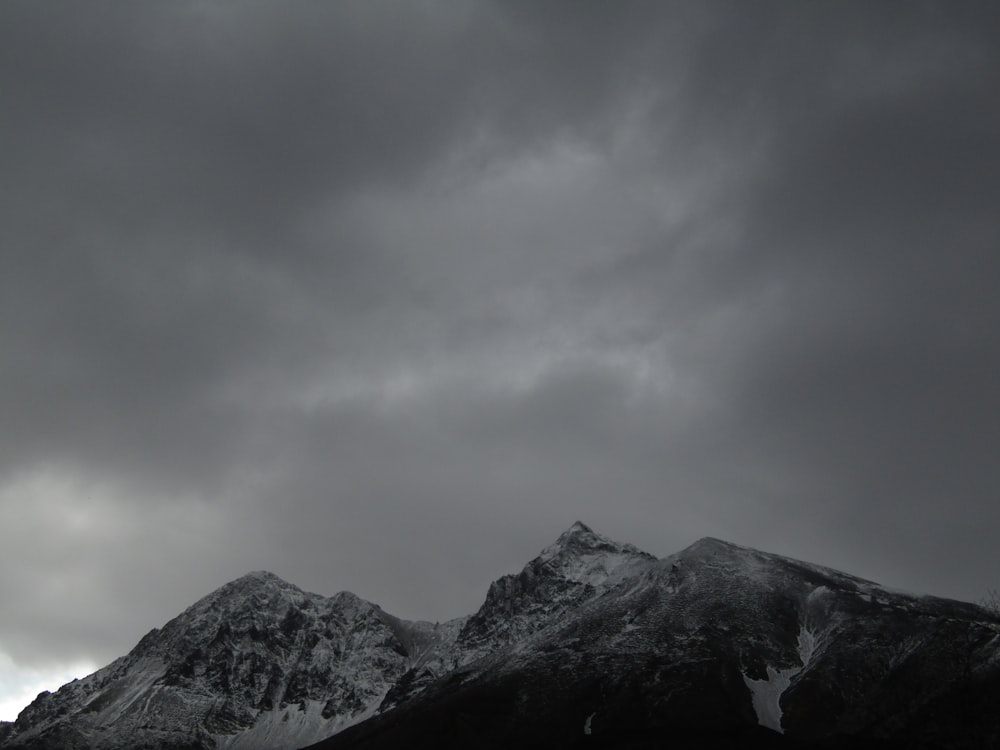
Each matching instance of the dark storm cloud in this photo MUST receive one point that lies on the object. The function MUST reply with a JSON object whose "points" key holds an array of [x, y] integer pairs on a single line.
{"points": [[865, 358], [169, 162], [383, 296]]}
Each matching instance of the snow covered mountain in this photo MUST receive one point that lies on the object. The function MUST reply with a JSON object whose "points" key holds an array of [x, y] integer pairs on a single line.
{"points": [[718, 645], [257, 663], [580, 565], [593, 643]]}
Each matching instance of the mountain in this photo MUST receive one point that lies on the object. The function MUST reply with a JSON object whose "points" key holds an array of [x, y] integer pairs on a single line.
{"points": [[713, 646], [593, 644], [257, 663], [579, 566]]}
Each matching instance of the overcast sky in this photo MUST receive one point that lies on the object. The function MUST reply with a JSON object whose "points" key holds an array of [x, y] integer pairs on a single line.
{"points": [[383, 296]]}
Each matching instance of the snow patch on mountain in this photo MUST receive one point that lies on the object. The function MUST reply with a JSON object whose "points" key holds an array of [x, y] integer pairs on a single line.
{"points": [[292, 727], [767, 693]]}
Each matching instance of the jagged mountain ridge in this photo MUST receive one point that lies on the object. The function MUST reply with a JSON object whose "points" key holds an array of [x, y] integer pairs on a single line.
{"points": [[710, 646], [257, 661], [580, 565], [591, 634]]}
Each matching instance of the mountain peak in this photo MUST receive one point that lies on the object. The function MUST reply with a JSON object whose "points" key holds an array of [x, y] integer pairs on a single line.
{"points": [[711, 543], [576, 536], [256, 585], [257, 580], [580, 538], [583, 555], [260, 575]]}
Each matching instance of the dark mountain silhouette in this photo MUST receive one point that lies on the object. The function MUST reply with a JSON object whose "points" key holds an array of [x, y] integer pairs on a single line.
{"points": [[594, 644]]}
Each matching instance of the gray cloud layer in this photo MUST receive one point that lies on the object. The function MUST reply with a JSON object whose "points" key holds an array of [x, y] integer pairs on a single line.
{"points": [[383, 296]]}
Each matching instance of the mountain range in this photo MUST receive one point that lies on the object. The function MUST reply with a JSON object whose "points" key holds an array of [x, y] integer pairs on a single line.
{"points": [[594, 643]]}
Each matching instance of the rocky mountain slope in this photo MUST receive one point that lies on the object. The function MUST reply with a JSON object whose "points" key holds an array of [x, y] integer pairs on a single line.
{"points": [[722, 644], [593, 643], [579, 566], [257, 663]]}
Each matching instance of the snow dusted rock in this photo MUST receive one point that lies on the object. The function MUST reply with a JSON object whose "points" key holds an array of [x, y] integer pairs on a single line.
{"points": [[578, 567], [593, 643], [257, 663], [717, 645]]}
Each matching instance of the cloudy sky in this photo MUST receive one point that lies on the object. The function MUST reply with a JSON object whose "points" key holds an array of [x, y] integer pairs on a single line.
{"points": [[383, 296]]}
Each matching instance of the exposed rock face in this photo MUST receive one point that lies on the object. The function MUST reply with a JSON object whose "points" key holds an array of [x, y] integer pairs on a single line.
{"points": [[593, 643], [578, 567], [256, 663], [720, 644]]}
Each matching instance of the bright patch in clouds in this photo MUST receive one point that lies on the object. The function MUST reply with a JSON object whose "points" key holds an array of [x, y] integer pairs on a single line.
{"points": [[20, 685]]}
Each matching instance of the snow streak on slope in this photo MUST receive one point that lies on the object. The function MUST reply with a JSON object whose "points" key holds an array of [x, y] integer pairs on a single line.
{"points": [[767, 693], [292, 727]]}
